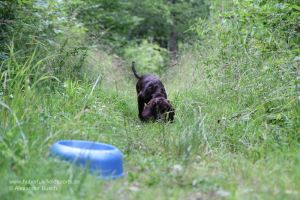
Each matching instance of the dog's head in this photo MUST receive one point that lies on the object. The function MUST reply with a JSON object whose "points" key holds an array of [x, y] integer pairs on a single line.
{"points": [[159, 109]]}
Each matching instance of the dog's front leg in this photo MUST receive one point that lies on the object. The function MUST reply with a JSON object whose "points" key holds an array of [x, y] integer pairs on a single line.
{"points": [[141, 105]]}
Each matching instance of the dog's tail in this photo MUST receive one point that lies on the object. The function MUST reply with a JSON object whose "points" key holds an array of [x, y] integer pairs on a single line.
{"points": [[134, 71]]}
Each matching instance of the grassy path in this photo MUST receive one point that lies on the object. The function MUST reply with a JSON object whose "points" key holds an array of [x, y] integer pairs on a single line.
{"points": [[221, 146]]}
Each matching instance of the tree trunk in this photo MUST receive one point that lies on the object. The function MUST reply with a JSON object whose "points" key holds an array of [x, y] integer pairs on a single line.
{"points": [[173, 46], [173, 42]]}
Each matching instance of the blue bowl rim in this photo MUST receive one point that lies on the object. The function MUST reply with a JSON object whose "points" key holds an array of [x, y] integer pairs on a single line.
{"points": [[112, 148], [76, 150]]}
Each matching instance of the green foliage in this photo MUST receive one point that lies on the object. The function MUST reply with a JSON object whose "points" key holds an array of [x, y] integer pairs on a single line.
{"points": [[252, 63], [140, 20], [108, 20], [19, 77], [148, 56], [155, 21], [267, 25], [161, 17], [30, 22], [41, 30]]}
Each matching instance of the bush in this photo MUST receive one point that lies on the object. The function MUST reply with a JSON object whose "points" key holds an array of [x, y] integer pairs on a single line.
{"points": [[148, 56]]}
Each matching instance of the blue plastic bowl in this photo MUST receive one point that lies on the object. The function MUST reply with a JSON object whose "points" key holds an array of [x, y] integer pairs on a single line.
{"points": [[104, 160]]}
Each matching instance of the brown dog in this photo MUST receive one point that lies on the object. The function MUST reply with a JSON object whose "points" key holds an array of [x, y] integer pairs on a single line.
{"points": [[150, 87]]}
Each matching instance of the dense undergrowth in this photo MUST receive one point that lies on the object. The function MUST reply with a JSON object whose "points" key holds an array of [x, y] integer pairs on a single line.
{"points": [[235, 89]]}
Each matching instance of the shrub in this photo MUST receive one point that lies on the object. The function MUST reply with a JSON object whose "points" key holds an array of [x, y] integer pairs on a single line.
{"points": [[148, 56]]}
